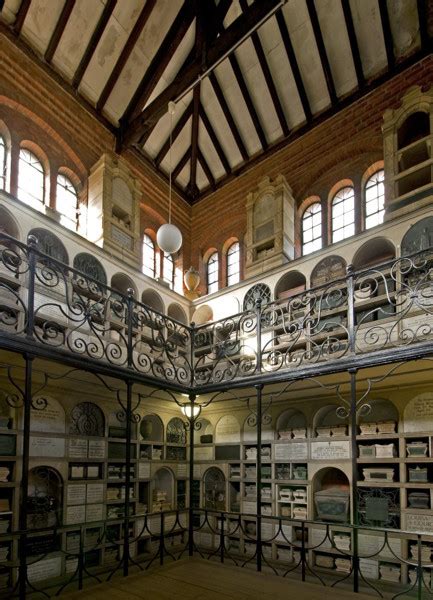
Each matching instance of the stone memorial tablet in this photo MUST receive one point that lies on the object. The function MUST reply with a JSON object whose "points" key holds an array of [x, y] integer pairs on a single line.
{"points": [[78, 448], [421, 523], [51, 419], [182, 470], [203, 453], [76, 494], [95, 493], [93, 471], [46, 446], [418, 414], [75, 514], [143, 470], [291, 451], [197, 471], [95, 512], [71, 565], [96, 449], [330, 450], [77, 472], [227, 430], [369, 568], [45, 569], [8, 445]]}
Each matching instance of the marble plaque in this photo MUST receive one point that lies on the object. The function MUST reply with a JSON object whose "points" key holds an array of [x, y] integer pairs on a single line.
{"points": [[369, 568], [95, 493], [203, 453], [76, 494], [418, 414], [46, 446], [369, 544], [45, 569], [71, 565], [319, 538], [143, 470], [77, 472], [95, 512], [75, 514], [78, 448], [197, 471], [96, 449], [50, 420], [330, 450], [93, 471], [291, 451], [8, 445], [227, 430], [182, 470], [421, 523]]}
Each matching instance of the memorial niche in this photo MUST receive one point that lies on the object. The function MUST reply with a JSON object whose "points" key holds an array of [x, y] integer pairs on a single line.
{"points": [[45, 498], [90, 266], [418, 237], [331, 495], [152, 429], [50, 244], [214, 489], [176, 433], [87, 419]]}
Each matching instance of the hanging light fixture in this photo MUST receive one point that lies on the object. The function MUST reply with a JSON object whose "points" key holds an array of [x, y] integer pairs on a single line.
{"points": [[168, 236]]}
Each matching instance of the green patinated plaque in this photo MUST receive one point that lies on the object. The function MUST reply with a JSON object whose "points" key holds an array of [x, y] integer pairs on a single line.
{"points": [[376, 509]]}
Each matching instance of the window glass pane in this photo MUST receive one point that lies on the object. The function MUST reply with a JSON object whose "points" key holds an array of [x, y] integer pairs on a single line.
{"points": [[343, 214], [212, 273], [30, 179], [148, 266], [375, 200], [312, 229], [233, 264], [168, 268], [2, 164], [66, 202]]}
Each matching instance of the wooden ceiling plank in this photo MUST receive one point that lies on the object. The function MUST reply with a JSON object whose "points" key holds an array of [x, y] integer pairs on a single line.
{"points": [[228, 116], [59, 29], [248, 101], [387, 34], [215, 141], [134, 129], [94, 41], [206, 169], [21, 16], [268, 77], [176, 131], [126, 53], [163, 55], [322, 51], [194, 136], [356, 56], [181, 164]]}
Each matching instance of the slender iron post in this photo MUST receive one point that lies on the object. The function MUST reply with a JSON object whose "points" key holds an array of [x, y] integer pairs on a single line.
{"points": [[32, 245], [81, 559], [354, 488], [129, 417], [25, 475], [222, 541], [259, 390], [161, 540], [191, 419], [129, 323], [192, 345], [259, 335], [419, 567], [303, 555], [350, 308]]}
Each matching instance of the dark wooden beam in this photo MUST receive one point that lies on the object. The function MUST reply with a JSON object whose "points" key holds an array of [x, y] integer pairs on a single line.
{"points": [[387, 35], [322, 51], [176, 131], [94, 41], [181, 164], [126, 53], [194, 136], [248, 101], [294, 64], [215, 141], [163, 55], [59, 29], [206, 169], [228, 116], [21, 16], [268, 77], [356, 56], [132, 130]]}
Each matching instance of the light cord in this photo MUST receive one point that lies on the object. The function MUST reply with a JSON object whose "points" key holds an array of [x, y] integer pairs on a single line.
{"points": [[171, 108]]}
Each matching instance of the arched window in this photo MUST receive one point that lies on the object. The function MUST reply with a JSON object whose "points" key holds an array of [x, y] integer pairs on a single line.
{"points": [[343, 214], [312, 229], [149, 263], [31, 185], [168, 268], [212, 273], [375, 199], [2, 164], [233, 264], [67, 202]]}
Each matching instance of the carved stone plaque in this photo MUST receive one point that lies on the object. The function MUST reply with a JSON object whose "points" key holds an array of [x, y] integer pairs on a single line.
{"points": [[95, 512], [227, 430], [203, 453], [144, 470], [421, 523], [96, 449], [182, 470], [418, 414], [95, 493], [291, 451], [78, 448], [76, 494], [330, 450], [45, 569], [49, 420], [75, 514], [46, 446]]}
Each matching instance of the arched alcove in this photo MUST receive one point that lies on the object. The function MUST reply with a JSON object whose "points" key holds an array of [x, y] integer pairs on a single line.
{"points": [[331, 490], [175, 311], [375, 251], [214, 489], [90, 266], [379, 410], [328, 269], [87, 419], [162, 490], [202, 315], [153, 300], [415, 127], [50, 244], [290, 284], [205, 431], [227, 430], [259, 291], [250, 430], [176, 432], [327, 423], [49, 420], [291, 423], [45, 497], [121, 282], [152, 429], [418, 237], [8, 224]]}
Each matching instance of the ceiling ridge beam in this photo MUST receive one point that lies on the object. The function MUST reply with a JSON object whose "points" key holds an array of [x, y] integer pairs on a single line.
{"points": [[353, 41], [59, 29], [175, 133], [134, 129], [181, 164], [21, 16], [294, 65], [214, 139], [387, 34], [126, 53], [194, 138], [322, 51], [206, 169], [159, 62], [229, 117], [268, 77], [94, 41]]}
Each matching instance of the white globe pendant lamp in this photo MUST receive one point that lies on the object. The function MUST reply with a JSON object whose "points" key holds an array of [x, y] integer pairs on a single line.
{"points": [[168, 236]]}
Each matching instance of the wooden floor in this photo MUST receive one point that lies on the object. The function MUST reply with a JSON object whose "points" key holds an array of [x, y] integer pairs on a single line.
{"points": [[196, 579]]}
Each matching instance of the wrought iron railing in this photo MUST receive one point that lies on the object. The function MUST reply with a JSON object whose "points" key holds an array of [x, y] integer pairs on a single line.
{"points": [[381, 309]]}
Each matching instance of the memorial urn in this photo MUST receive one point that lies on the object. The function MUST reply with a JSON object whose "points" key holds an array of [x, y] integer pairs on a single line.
{"points": [[191, 279]]}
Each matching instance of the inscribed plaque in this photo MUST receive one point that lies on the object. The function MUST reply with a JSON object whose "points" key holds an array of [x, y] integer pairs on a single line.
{"points": [[96, 449], [75, 514], [291, 451], [49, 420], [44, 569], [46, 446], [418, 414], [95, 493], [76, 494], [78, 448], [330, 450]]}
